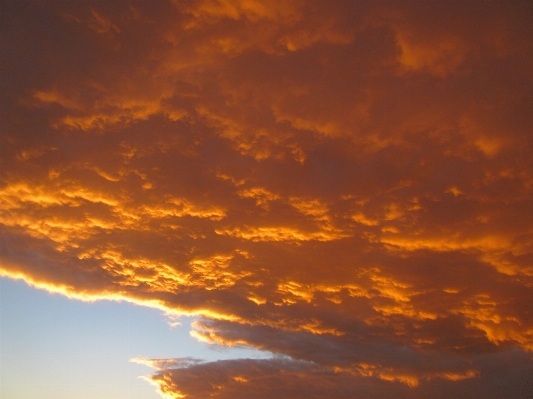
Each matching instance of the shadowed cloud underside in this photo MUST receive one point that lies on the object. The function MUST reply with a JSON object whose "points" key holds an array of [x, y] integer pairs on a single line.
{"points": [[348, 185]]}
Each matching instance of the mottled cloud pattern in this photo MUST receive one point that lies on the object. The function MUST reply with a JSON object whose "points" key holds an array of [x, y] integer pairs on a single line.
{"points": [[348, 185]]}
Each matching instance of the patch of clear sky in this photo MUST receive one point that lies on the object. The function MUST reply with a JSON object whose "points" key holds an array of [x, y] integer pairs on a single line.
{"points": [[52, 347]]}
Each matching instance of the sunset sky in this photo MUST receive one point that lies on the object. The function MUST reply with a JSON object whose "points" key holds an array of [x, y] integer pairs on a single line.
{"points": [[266, 199]]}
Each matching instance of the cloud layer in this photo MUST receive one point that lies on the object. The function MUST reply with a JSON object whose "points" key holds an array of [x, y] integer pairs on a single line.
{"points": [[347, 185]]}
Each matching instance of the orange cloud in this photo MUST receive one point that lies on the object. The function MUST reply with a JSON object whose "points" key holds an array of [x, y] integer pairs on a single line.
{"points": [[345, 185]]}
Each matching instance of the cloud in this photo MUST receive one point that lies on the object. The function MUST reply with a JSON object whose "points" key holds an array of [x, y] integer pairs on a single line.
{"points": [[258, 379], [285, 378], [346, 185]]}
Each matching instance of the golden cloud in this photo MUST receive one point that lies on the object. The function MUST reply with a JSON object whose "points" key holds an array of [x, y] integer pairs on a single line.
{"points": [[346, 185]]}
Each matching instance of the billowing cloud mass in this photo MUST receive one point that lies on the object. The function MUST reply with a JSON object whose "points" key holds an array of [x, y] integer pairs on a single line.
{"points": [[346, 184]]}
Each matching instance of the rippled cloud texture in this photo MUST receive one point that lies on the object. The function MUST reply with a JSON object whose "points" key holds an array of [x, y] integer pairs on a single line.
{"points": [[345, 184]]}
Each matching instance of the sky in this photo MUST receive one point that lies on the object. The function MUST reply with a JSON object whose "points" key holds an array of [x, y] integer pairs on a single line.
{"points": [[333, 198], [52, 347]]}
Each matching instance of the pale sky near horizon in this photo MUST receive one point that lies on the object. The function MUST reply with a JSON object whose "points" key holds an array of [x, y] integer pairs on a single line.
{"points": [[344, 186], [53, 347]]}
